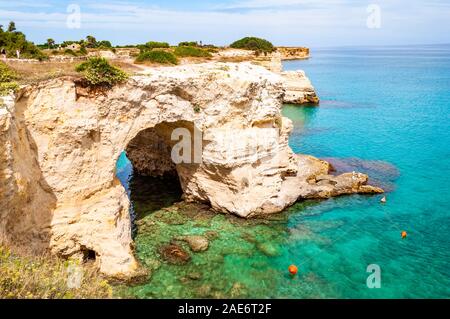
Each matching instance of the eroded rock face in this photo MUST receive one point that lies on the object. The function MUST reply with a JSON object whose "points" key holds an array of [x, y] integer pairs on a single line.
{"points": [[293, 53], [59, 148], [150, 155], [298, 88]]}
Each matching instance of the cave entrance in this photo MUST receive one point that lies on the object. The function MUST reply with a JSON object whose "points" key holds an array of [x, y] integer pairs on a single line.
{"points": [[148, 173]]}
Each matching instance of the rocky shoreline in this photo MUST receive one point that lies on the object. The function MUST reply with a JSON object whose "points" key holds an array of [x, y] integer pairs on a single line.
{"points": [[60, 143]]}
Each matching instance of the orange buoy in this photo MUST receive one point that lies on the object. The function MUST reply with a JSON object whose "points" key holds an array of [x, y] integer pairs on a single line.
{"points": [[404, 234], [293, 270]]}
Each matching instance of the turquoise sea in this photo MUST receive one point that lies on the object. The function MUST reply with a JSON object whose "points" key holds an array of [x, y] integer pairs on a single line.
{"points": [[384, 111]]}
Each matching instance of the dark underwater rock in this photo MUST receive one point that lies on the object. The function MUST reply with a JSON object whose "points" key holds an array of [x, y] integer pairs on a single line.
{"points": [[174, 254]]}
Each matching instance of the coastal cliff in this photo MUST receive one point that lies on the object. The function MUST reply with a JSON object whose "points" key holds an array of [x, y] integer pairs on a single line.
{"points": [[60, 143], [293, 53], [297, 87]]}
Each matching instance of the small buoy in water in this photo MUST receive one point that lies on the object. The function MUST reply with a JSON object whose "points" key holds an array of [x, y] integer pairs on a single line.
{"points": [[293, 270], [404, 234], [384, 200]]}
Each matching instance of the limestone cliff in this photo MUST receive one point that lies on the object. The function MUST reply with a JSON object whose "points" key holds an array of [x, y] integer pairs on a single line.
{"points": [[293, 53], [59, 146], [298, 88]]}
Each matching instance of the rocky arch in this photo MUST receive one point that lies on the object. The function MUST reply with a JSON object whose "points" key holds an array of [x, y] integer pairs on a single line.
{"points": [[60, 145]]}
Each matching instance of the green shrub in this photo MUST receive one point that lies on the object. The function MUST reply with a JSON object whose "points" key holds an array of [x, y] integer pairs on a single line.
{"points": [[7, 77], [98, 71], [191, 52], [83, 51], [255, 44], [156, 45], [188, 44], [70, 52], [104, 44], [157, 56]]}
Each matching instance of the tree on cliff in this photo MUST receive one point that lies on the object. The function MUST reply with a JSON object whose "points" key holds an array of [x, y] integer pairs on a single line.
{"points": [[50, 43], [12, 26], [91, 42], [12, 41]]}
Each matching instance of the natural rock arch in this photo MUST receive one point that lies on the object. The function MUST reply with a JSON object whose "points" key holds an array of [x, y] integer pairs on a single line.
{"points": [[60, 145]]}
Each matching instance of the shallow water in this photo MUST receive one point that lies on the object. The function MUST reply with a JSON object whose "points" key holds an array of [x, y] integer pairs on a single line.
{"points": [[385, 112]]}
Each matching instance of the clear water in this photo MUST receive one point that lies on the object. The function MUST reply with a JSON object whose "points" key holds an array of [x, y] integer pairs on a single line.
{"points": [[384, 111], [391, 105]]}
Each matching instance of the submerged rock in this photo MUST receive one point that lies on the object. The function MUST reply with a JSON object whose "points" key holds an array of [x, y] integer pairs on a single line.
{"points": [[238, 290], [268, 249], [195, 275], [211, 235], [174, 254], [195, 242]]}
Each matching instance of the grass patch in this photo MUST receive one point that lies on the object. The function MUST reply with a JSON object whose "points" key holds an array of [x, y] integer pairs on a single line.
{"points": [[98, 72], [157, 56], [189, 51], [48, 278]]}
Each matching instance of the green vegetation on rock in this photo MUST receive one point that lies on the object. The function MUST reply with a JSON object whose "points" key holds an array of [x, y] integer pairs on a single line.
{"points": [[7, 77], [156, 56], [255, 44], [98, 72], [189, 51]]}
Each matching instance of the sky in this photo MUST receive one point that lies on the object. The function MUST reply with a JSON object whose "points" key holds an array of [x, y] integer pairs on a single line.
{"points": [[312, 23]]}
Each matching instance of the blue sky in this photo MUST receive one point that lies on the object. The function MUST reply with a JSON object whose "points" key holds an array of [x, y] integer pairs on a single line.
{"points": [[313, 23]]}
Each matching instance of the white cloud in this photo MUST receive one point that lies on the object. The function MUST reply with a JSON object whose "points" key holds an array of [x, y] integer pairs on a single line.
{"points": [[288, 23], [262, 4]]}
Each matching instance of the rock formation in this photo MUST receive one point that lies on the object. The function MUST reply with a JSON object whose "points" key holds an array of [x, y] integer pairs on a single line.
{"points": [[293, 53], [59, 145], [298, 88]]}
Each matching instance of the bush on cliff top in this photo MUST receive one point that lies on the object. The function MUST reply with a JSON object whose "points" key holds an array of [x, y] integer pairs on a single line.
{"points": [[156, 45], [188, 51], [48, 278], [7, 77], [253, 43], [188, 44], [157, 56], [98, 72]]}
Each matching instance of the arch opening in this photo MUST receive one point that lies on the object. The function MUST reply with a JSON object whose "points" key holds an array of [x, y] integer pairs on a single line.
{"points": [[148, 173]]}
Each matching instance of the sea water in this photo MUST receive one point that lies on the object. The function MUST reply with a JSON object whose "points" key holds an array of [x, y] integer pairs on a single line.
{"points": [[385, 111]]}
